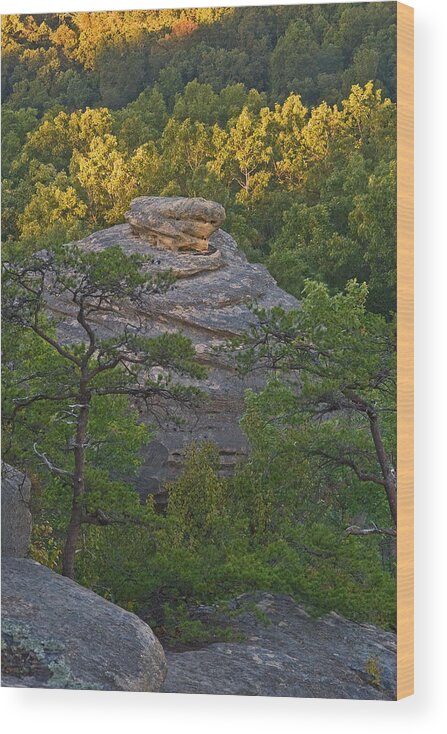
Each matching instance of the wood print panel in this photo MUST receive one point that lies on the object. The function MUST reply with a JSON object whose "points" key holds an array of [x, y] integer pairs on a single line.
{"points": [[405, 351]]}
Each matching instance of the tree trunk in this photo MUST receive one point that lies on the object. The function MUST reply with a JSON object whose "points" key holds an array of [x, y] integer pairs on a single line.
{"points": [[388, 472], [74, 526], [71, 543]]}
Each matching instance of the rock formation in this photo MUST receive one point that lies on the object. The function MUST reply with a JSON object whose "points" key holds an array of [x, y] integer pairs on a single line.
{"points": [[293, 655], [209, 303], [55, 633], [175, 223], [16, 516]]}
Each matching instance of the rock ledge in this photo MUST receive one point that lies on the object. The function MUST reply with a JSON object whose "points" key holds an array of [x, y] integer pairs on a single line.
{"points": [[286, 652], [57, 634]]}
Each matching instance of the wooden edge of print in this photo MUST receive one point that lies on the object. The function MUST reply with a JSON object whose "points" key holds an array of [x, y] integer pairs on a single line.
{"points": [[405, 351]]}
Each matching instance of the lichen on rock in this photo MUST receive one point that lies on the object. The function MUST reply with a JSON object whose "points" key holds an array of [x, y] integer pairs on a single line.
{"points": [[57, 634]]}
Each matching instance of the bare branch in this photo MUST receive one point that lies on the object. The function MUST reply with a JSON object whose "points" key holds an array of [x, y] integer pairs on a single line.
{"points": [[24, 402], [53, 469], [355, 530]]}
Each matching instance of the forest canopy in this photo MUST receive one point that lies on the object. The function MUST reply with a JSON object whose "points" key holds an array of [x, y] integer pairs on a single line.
{"points": [[286, 115]]}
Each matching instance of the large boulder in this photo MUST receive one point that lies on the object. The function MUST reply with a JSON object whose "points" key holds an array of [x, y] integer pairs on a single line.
{"points": [[16, 515], [56, 634], [286, 652], [209, 303], [175, 222]]}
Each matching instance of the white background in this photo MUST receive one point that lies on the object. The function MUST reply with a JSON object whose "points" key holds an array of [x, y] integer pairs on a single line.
{"points": [[45, 711]]}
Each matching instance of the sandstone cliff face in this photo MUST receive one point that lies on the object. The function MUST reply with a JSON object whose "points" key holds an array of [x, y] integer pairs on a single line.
{"points": [[209, 303]]}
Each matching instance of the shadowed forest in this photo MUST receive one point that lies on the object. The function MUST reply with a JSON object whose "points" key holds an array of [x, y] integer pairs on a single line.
{"points": [[287, 117]]}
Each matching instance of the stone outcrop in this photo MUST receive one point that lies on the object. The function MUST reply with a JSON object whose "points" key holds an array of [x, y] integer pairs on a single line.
{"points": [[209, 303], [174, 222], [56, 634], [16, 516], [287, 653]]}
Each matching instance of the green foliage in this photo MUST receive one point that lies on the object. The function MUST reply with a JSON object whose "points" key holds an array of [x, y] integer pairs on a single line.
{"points": [[16, 124], [45, 548], [51, 206], [75, 59], [106, 180], [142, 120], [236, 543], [197, 501], [349, 229], [323, 438], [340, 388]]}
